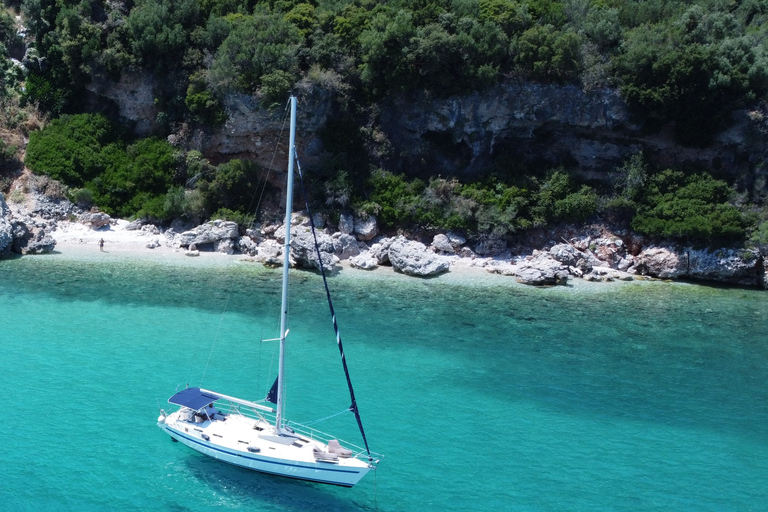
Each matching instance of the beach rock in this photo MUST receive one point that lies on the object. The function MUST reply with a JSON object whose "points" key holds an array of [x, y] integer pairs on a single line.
{"points": [[764, 276], [503, 268], [413, 258], [610, 250], [743, 266], [153, 244], [47, 207], [538, 269], [299, 224], [6, 237], [541, 276], [208, 233], [95, 220], [255, 235], [571, 256], [345, 246], [607, 274], [661, 262], [380, 250], [346, 224], [441, 243], [137, 224], [4, 210], [304, 253], [246, 245], [36, 241], [625, 263], [455, 239], [269, 230], [366, 227], [566, 254], [364, 261], [150, 229], [224, 246], [270, 253]]}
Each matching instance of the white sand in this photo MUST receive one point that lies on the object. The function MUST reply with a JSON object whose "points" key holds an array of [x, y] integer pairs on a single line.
{"points": [[77, 241]]}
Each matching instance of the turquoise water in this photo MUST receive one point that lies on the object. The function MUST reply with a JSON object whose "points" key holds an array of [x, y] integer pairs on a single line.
{"points": [[482, 394]]}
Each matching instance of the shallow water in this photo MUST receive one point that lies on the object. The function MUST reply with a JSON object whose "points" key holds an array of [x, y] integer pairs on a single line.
{"points": [[482, 394]]}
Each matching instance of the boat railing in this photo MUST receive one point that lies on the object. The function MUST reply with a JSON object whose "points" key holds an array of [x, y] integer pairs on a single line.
{"points": [[229, 408], [318, 435]]}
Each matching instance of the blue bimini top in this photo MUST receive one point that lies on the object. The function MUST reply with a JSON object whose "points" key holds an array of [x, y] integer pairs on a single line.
{"points": [[193, 398]]}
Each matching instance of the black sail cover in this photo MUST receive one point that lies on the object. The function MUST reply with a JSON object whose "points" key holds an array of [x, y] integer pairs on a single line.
{"points": [[272, 395], [353, 406]]}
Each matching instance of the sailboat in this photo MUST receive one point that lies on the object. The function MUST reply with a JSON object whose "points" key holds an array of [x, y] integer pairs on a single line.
{"points": [[256, 435]]}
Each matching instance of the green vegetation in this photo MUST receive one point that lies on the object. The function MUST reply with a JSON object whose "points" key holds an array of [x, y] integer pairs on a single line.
{"points": [[490, 207], [689, 207], [138, 178], [678, 63], [674, 60], [123, 177]]}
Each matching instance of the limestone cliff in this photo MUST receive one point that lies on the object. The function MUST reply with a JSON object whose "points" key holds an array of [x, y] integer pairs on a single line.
{"points": [[591, 132]]}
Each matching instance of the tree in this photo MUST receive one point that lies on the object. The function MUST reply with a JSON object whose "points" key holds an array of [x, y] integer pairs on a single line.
{"points": [[257, 46]]}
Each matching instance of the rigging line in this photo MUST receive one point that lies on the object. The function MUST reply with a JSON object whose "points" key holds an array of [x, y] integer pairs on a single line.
{"points": [[271, 163], [216, 337], [353, 407], [189, 376], [326, 418]]}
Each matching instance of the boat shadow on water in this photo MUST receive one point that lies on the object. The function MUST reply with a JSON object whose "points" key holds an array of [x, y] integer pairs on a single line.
{"points": [[251, 488]]}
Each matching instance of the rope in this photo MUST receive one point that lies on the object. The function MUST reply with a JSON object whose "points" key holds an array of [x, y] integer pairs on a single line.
{"points": [[271, 164], [326, 418], [215, 338]]}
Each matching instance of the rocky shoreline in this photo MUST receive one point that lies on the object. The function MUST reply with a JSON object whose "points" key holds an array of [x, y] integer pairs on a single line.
{"points": [[35, 225]]}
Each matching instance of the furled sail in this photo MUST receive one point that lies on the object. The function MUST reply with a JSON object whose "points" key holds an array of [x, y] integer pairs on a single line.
{"points": [[353, 407], [272, 395]]}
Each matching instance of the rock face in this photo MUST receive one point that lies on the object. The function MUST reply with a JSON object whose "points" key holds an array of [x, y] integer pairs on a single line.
{"points": [[6, 237], [6, 230], [539, 269], [134, 97], [366, 227], [364, 261], [22, 234], [346, 246], [661, 262], [304, 252], [413, 258], [589, 130], [95, 220], [209, 233], [743, 267]]}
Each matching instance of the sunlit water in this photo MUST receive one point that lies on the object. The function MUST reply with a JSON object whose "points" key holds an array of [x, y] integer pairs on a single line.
{"points": [[482, 394]]}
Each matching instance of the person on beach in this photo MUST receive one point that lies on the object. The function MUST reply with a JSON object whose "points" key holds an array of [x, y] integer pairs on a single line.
{"points": [[101, 245]]}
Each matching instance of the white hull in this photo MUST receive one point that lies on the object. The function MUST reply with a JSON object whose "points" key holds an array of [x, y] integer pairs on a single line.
{"points": [[228, 441]]}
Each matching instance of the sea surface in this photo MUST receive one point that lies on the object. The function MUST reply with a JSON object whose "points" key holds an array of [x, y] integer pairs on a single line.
{"points": [[480, 393]]}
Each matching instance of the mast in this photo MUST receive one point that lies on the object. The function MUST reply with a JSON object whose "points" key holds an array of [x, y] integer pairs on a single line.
{"points": [[286, 265]]}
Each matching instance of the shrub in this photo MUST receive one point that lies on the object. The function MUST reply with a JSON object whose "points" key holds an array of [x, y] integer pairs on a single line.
{"points": [[82, 197], [204, 106], [243, 220], [69, 148], [689, 207]]}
